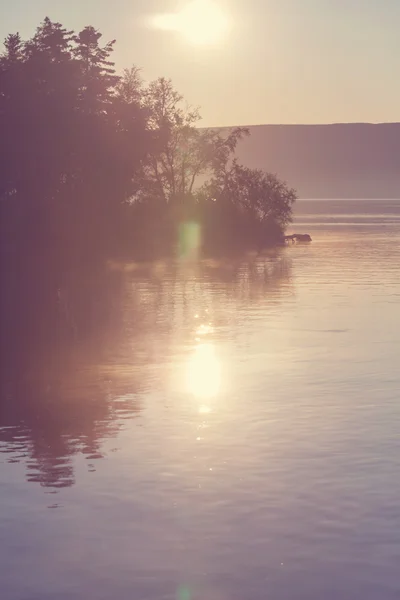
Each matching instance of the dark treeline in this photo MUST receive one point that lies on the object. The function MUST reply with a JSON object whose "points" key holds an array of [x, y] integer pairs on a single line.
{"points": [[97, 167]]}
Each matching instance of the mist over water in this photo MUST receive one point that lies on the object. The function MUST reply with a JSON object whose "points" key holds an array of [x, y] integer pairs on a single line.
{"points": [[234, 435]]}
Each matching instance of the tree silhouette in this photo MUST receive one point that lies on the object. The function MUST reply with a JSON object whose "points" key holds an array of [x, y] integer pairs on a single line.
{"points": [[257, 204]]}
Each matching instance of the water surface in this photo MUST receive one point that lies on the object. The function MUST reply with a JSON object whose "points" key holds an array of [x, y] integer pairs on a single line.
{"points": [[235, 437]]}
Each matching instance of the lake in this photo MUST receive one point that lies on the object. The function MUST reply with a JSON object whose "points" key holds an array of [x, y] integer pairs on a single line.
{"points": [[234, 437]]}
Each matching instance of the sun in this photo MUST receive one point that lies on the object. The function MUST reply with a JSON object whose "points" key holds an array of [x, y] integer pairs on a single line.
{"points": [[200, 22], [203, 22]]}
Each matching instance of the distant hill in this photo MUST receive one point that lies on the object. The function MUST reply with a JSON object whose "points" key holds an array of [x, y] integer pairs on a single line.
{"points": [[329, 161]]}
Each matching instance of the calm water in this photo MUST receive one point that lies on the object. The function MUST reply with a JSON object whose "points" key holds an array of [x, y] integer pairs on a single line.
{"points": [[235, 437]]}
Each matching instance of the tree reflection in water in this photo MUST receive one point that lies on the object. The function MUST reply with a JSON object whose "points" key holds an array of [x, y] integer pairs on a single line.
{"points": [[46, 424], [72, 399]]}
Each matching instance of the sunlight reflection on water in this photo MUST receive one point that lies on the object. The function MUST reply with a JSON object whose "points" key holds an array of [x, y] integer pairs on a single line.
{"points": [[236, 438], [203, 375]]}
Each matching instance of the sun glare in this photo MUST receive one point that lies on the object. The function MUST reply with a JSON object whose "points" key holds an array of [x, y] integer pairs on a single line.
{"points": [[200, 22]]}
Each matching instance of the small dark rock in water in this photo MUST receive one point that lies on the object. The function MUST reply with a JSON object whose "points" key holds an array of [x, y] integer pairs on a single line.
{"points": [[298, 237]]}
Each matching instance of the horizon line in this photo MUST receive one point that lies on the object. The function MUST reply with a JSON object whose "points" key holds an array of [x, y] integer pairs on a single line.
{"points": [[335, 123]]}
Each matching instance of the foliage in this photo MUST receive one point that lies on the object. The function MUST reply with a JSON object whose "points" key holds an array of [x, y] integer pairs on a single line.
{"points": [[255, 206]]}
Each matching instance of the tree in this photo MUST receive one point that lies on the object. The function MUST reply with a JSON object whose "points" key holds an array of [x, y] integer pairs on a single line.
{"points": [[51, 41], [98, 78], [182, 153], [261, 196], [13, 50], [67, 168], [130, 87], [255, 207]]}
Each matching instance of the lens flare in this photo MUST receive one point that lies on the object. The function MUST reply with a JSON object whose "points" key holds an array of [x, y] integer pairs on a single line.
{"points": [[189, 240]]}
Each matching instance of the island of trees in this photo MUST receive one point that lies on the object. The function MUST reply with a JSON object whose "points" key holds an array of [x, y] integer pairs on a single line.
{"points": [[96, 166]]}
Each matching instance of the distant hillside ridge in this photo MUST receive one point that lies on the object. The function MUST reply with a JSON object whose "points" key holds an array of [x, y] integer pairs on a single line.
{"points": [[354, 160]]}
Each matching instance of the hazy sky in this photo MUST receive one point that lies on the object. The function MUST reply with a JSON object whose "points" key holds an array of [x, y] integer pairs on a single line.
{"points": [[267, 61]]}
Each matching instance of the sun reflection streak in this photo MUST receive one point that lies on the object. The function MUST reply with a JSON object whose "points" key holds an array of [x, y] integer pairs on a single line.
{"points": [[203, 374]]}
